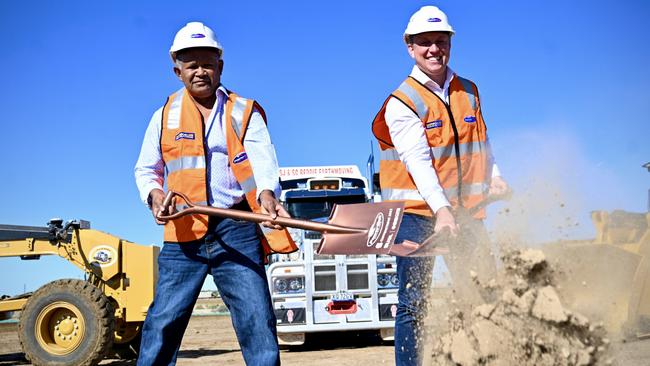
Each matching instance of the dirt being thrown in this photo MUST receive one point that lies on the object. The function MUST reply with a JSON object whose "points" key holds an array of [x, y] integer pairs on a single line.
{"points": [[526, 324]]}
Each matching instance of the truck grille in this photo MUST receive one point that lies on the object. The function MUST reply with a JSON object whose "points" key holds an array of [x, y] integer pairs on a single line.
{"points": [[324, 278], [358, 276]]}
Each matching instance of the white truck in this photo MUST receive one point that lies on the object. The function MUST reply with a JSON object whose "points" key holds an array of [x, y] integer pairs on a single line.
{"points": [[318, 293]]}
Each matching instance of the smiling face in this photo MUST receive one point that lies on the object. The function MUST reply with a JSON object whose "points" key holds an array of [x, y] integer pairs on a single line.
{"points": [[200, 71], [431, 52]]}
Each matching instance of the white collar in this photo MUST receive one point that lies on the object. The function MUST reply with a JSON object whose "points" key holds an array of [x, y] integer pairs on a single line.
{"points": [[222, 89], [420, 76]]}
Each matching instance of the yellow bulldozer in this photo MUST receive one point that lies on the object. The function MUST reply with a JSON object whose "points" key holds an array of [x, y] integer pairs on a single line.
{"points": [[79, 322], [608, 278]]}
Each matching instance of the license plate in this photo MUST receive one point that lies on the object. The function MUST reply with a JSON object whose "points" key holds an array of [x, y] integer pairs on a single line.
{"points": [[342, 296]]}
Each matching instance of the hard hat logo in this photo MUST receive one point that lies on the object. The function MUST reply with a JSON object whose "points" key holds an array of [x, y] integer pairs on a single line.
{"points": [[434, 20], [198, 35]]}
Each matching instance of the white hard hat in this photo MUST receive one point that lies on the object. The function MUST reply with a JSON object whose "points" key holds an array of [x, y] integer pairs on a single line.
{"points": [[427, 19], [194, 34]]}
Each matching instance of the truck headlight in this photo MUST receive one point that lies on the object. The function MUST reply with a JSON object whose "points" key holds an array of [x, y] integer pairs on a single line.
{"points": [[394, 280], [280, 285], [288, 285], [295, 284], [383, 280], [387, 280]]}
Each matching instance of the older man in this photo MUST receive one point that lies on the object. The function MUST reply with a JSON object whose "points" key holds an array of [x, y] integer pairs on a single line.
{"points": [[212, 145], [435, 156]]}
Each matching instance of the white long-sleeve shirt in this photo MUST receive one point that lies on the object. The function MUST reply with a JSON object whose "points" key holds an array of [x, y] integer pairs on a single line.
{"points": [[409, 138], [224, 191]]}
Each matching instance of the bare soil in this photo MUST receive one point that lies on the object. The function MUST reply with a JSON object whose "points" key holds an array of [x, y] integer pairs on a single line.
{"points": [[526, 324], [210, 340]]}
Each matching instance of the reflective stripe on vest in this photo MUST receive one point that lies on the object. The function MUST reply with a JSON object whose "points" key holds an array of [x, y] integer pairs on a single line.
{"points": [[467, 190], [466, 148], [185, 162], [396, 194], [390, 194], [239, 107], [441, 152], [248, 185], [174, 116], [467, 85], [420, 107], [237, 116]]}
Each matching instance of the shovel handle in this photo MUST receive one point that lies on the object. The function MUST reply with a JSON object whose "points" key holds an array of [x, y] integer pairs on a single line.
{"points": [[435, 244], [252, 217], [490, 199]]}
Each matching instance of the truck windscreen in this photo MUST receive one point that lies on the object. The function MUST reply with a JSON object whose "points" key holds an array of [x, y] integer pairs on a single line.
{"points": [[315, 207]]}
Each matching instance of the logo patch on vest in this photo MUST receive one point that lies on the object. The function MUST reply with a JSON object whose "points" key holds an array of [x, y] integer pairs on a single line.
{"points": [[239, 158], [184, 135], [470, 119], [433, 124], [198, 35], [434, 20]]}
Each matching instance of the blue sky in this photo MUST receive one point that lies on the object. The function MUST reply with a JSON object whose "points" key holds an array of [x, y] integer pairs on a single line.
{"points": [[564, 87]]}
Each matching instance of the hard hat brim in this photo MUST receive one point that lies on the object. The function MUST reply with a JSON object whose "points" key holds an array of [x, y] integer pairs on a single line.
{"points": [[174, 53], [407, 35]]}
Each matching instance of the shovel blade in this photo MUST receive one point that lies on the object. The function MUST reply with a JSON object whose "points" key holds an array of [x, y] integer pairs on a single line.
{"points": [[382, 221]]}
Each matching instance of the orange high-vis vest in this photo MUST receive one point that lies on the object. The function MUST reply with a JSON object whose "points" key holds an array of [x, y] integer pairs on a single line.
{"points": [[182, 145], [456, 134]]}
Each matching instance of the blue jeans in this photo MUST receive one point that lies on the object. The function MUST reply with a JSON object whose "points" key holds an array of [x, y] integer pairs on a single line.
{"points": [[231, 252], [415, 276]]}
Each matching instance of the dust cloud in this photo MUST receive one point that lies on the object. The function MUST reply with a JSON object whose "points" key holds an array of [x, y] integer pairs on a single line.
{"points": [[555, 306], [527, 324]]}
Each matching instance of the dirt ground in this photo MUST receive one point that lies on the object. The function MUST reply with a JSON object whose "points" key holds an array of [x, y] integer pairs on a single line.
{"points": [[210, 340]]}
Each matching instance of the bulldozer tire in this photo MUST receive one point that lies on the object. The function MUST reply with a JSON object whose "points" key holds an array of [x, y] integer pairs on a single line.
{"points": [[67, 322]]}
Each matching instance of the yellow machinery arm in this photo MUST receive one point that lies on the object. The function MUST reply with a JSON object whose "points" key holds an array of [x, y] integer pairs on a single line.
{"points": [[126, 272]]}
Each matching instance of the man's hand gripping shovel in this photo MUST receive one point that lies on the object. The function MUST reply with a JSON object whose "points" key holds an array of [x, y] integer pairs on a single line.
{"points": [[362, 228]]}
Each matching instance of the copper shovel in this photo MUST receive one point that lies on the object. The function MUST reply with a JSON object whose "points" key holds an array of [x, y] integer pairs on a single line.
{"points": [[360, 228]]}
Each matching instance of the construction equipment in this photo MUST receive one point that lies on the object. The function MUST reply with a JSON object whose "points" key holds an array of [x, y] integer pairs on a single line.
{"points": [[79, 322], [608, 277], [313, 291]]}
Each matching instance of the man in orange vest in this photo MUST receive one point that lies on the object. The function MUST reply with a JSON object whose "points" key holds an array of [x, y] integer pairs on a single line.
{"points": [[212, 145], [435, 156]]}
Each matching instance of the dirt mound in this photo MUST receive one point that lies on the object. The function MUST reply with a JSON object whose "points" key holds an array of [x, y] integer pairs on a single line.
{"points": [[526, 324]]}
